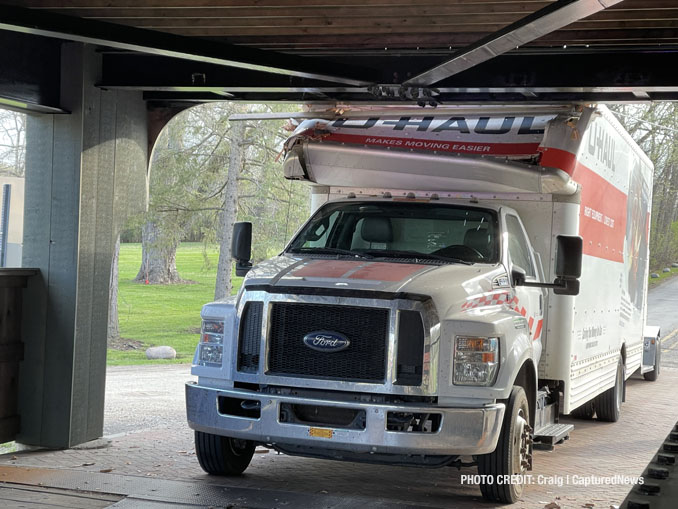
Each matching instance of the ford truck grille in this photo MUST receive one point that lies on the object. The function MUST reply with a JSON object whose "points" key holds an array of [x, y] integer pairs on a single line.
{"points": [[365, 327], [250, 337], [410, 356]]}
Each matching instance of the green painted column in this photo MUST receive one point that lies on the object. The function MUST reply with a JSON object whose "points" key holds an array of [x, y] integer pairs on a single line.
{"points": [[85, 174]]}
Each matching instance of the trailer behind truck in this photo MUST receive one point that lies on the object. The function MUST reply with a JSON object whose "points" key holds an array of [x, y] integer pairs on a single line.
{"points": [[465, 278]]}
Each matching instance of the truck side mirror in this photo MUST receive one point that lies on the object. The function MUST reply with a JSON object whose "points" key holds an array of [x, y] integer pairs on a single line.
{"points": [[568, 267], [241, 248], [568, 264], [568, 256]]}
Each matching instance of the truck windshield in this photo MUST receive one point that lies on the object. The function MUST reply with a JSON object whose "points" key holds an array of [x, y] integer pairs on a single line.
{"points": [[453, 233]]}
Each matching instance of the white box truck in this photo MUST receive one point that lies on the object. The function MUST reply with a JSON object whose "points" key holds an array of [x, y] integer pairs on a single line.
{"points": [[466, 276]]}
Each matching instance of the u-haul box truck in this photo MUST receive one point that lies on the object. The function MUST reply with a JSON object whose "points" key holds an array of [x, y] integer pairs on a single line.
{"points": [[465, 278]]}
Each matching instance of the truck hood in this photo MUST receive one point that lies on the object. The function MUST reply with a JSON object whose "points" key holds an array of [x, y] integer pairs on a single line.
{"points": [[452, 286]]}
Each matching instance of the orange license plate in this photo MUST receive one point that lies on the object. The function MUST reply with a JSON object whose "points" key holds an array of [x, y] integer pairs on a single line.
{"points": [[321, 432]]}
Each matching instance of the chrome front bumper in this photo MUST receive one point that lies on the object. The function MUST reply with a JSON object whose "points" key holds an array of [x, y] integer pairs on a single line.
{"points": [[463, 431]]}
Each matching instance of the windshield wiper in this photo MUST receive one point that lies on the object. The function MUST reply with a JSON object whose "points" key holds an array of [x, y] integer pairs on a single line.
{"points": [[387, 253], [330, 250]]}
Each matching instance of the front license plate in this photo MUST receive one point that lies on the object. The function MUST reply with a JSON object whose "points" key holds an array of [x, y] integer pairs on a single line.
{"points": [[321, 432]]}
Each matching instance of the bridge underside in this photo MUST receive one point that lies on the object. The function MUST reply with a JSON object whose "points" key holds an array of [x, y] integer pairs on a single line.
{"points": [[356, 51]]}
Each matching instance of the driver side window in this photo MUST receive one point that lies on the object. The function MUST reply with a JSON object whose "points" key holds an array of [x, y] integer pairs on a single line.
{"points": [[519, 250]]}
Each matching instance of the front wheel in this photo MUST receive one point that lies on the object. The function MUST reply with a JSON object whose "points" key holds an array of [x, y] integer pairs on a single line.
{"points": [[219, 455], [512, 455]]}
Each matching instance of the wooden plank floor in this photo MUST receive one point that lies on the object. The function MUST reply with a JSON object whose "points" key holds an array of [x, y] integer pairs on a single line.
{"points": [[35, 497]]}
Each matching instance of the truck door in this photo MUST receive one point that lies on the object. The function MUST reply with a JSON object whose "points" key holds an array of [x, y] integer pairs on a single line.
{"points": [[527, 301]]}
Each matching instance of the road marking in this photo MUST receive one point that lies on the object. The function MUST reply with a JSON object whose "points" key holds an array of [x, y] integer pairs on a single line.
{"points": [[674, 346]]}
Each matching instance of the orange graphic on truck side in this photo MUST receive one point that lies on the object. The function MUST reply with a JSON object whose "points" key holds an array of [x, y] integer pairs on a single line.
{"points": [[602, 215], [503, 298]]}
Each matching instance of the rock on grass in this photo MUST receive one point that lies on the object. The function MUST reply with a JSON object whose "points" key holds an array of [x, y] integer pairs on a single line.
{"points": [[161, 352]]}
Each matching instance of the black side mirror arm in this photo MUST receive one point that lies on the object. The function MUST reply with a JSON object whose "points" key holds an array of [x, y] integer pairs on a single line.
{"points": [[560, 286]]}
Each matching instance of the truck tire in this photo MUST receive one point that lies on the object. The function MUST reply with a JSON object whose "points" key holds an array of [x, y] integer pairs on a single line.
{"points": [[219, 455], [651, 376], [608, 404], [513, 452], [584, 411]]}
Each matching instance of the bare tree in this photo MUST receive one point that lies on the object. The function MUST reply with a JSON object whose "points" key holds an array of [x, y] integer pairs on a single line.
{"points": [[230, 209], [205, 173], [654, 127], [158, 255], [113, 327], [12, 143], [163, 227]]}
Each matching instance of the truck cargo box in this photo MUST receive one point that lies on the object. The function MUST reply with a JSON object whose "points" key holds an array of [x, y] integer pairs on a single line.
{"points": [[566, 171]]}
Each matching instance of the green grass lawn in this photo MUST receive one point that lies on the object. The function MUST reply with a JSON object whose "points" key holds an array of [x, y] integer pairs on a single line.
{"points": [[8, 447], [164, 314], [663, 276], [170, 314]]}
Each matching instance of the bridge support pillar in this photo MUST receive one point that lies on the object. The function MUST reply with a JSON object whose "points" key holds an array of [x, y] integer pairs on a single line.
{"points": [[85, 173]]}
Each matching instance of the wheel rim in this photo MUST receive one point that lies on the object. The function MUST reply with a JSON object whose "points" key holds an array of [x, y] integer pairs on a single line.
{"points": [[519, 460]]}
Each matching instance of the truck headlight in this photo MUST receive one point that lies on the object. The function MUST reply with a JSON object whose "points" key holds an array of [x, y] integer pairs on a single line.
{"points": [[211, 342], [476, 360]]}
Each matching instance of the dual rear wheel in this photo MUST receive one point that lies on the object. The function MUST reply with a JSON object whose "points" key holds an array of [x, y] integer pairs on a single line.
{"points": [[606, 406]]}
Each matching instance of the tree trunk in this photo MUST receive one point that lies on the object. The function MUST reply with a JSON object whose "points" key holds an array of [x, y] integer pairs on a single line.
{"points": [[158, 256], [113, 328], [228, 214]]}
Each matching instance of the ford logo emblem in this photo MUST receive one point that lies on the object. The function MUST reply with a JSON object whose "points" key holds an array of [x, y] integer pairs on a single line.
{"points": [[326, 341]]}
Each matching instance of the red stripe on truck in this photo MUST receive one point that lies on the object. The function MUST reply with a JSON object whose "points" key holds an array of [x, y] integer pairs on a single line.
{"points": [[377, 271], [557, 158], [537, 332], [325, 268], [458, 147], [602, 214], [384, 271]]}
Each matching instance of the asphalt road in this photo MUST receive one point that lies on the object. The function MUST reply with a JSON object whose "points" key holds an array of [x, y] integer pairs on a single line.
{"points": [[662, 310], [140, 398]]}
